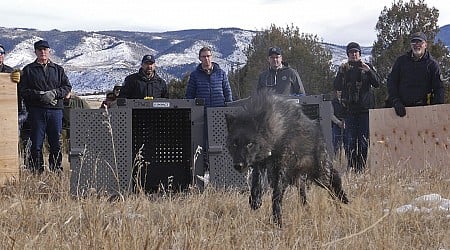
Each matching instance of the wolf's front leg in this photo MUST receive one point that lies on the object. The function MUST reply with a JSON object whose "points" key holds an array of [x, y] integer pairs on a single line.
{"points": [[256, 189], [279, 187]]}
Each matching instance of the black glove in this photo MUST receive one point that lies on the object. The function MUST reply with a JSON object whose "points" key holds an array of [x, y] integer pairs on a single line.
{"points": [[399, 108], [48, 97]]}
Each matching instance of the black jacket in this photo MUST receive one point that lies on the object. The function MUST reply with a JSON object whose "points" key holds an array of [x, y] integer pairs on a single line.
{"points": [[138, 86], [6, 69], [356, 87], [34, 80], [410, 81], [338, 109]]}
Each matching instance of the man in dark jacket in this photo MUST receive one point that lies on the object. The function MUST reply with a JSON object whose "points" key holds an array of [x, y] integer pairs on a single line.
{"points": [[3, 67], [145, 84], [43, 85], [355, 79], [415, 79], [279, 76], [209, 81]]}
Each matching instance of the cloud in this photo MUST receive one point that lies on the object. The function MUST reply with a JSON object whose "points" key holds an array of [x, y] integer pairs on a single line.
{"points": [[334, 21]]}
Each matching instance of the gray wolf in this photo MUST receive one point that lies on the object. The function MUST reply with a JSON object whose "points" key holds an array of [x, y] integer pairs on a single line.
{"points": [[272, 134]]}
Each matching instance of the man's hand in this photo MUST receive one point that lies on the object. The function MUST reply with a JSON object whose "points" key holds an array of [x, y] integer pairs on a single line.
{"points": [[48, 96], [15, 76], [364, 67], [399, 108]]}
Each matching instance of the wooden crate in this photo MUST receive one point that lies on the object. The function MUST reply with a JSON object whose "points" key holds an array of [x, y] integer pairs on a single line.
{"points": [[9, 153], [419, 140]]}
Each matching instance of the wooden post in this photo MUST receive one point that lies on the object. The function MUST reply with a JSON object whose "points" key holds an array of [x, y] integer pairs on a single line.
{"points": [[9, 129], [419, 140]]}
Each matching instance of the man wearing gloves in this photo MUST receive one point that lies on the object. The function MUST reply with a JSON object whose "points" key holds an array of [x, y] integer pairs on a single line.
{"points": [[43, 85], [415, 79]]}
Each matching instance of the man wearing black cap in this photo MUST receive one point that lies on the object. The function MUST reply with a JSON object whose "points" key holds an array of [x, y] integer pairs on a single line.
{"points": [[43, 85], [145, 84], [415, 79], [355, 79], [279, 76]]}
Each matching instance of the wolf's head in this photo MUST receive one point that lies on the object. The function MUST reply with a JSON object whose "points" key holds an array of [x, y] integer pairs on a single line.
{"points": [[245, 142]]}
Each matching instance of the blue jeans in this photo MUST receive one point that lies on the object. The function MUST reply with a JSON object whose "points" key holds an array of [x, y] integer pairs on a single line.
{"points": [[45, 122], [357, 135]]}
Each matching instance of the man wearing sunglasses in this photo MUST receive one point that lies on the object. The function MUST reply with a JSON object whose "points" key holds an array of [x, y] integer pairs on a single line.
{"points": [[3, 67], [415, 79]]}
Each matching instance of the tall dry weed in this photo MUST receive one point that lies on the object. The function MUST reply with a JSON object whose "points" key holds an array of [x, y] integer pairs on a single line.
{"points": [[38, 212]]}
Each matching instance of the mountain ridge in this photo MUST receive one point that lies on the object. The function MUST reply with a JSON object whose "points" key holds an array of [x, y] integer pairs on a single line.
{"points": [[96, 61]]}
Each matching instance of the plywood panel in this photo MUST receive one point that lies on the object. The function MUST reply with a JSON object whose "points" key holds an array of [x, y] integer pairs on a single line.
{"points": [[9, 154], [419, 140]]}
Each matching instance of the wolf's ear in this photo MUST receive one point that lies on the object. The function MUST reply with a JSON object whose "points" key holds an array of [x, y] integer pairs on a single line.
{"points": [[230, 119]]}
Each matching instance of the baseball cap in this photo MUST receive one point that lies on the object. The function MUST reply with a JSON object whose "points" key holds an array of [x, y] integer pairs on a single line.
{"points": [[419, 36], [41, 44], [353, 46], [274, 50], [148, 58]]}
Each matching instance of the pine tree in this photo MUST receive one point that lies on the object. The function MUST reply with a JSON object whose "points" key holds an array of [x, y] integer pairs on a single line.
{"points": [[177, 88]]}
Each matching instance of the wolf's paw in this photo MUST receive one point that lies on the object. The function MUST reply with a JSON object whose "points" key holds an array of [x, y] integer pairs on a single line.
{"points": [[255, 203]]}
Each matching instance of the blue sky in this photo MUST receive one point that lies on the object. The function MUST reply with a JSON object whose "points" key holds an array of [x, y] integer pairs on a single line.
{"points": [[334, 21]]}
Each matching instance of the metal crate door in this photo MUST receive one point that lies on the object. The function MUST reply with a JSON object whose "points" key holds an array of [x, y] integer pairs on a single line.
{"points": [[162, 141], [100, 152], [221, 171]]}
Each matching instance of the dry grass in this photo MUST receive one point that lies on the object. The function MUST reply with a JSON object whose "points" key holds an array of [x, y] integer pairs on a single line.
{"points": [[40, 213]]}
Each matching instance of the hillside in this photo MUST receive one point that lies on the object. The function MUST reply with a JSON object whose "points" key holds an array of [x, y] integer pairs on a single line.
{"points": [[95, 61]]}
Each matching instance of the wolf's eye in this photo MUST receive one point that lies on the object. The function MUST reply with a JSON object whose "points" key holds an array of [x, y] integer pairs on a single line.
{"points": [[250, 145]]}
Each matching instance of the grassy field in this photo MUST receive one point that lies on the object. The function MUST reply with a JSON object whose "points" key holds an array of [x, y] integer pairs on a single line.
{"points": [[39, 213]]}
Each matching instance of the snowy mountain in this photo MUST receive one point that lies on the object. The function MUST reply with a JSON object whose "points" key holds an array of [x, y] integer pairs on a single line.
{"points": [[96, 61]]}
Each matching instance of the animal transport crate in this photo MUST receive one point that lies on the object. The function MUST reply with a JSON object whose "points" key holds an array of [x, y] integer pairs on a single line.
{"points": [[142, 144], [221, 171]]}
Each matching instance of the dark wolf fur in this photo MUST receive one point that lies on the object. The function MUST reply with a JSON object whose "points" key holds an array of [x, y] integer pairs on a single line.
{"points": [[272, 134]]}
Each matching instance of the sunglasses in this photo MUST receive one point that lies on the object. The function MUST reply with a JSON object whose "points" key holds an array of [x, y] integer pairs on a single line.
{"points": [[2, 52], [416, 41]]}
